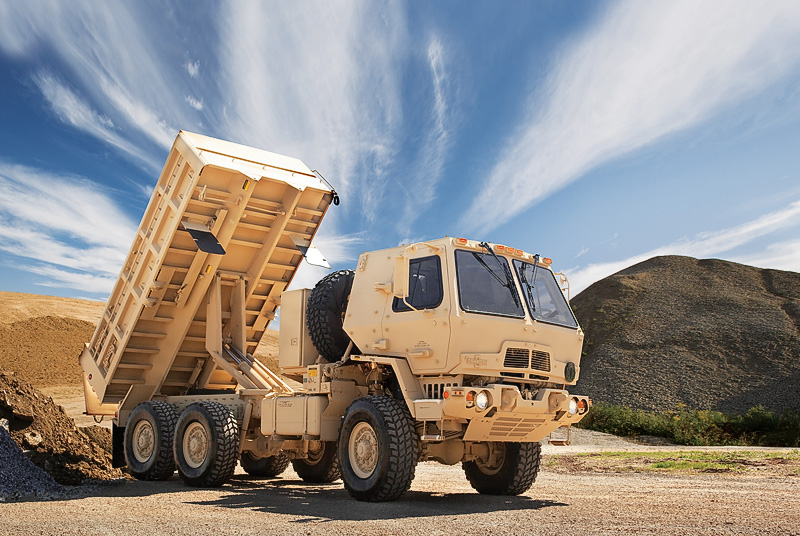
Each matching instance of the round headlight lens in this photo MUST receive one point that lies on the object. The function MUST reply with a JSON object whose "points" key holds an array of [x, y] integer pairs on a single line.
{"points": [[573, 406], [482, 400]]}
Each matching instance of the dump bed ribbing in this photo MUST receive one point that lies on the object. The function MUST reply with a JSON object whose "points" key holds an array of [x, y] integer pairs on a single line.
{"points": [[153, 335]]}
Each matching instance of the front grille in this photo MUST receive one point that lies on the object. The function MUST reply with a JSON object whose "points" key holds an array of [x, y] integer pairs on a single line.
{"points": [[436, 390], [522, 358], [517, 358], [540, 360]]}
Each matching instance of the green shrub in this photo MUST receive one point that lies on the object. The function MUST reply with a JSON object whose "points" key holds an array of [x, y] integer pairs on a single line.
{"points": [[758, 426]]}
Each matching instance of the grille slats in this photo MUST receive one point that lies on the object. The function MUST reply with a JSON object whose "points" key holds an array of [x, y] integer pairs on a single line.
{"points": [[540, 360], [517, 358], [514, 427], [436, 390], [522, 358]]}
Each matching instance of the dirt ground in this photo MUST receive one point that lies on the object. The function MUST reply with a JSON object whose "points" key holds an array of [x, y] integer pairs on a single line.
{"points": [[439, 502]]}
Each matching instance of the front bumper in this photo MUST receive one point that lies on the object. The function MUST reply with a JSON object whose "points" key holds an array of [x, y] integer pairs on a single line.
{"points": [[507, 415]]}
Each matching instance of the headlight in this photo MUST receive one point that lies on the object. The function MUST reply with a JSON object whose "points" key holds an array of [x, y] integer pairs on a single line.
{"points": [[573, 406], [570, 372], [482, 400]]}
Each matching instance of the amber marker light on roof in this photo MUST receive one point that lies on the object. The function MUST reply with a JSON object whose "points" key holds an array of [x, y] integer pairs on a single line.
{"points": [[461, 241]]}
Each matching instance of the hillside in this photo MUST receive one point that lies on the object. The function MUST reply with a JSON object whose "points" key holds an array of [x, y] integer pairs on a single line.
{"points": [[709, 334]]}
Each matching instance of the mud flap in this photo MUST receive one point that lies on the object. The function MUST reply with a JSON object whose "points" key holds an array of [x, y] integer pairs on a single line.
{"points": [[118, 446]]}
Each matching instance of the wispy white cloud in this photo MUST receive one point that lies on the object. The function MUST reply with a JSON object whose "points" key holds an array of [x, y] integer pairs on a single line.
{"points": [[197, 104], [193, 68], [87, 282], [339, 250], [76, 112], [427, 172], [73, 231], [708, 244], [329, 91], [646, 70], [110, 54], [138, 114], [784, 255]]}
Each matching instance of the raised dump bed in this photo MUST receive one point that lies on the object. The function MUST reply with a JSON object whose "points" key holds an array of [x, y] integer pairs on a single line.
{"points": [[222, 229]]}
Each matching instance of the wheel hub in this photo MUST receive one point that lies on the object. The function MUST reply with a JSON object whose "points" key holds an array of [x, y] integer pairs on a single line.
{"points": [[363, 450], [144, 440], [497, 458], [195, 445], [315, 451]]}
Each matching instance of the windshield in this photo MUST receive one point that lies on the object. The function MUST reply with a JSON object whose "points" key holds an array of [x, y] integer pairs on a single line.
{"points": [[545, 300], [483, 286]]}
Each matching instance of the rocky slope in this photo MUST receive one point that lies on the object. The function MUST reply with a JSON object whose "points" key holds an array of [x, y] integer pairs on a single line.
{"points": [[708, 334]]}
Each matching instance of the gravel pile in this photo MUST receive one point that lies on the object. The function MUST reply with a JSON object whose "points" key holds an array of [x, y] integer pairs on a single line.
{"points": [[706, 334], [19, 477], [50, 438]]}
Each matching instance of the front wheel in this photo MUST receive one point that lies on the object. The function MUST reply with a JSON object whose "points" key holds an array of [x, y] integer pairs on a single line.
{"points": [[377, 449], [322, 464], [510, 470], [206, 444]]}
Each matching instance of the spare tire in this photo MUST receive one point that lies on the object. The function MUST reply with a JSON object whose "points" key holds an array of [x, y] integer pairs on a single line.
{"points": [[325, 314]]}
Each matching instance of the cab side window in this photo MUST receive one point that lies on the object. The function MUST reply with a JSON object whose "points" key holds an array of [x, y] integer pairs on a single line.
{"points": [[424, 285]]}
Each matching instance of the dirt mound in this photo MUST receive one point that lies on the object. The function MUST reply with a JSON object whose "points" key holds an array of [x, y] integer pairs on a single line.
{"points": [[16, 306], [708, 334], [45, 349], [37, 425]]}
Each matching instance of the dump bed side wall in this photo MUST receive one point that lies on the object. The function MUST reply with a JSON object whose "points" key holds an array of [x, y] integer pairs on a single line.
{"points": [[151, 336]]}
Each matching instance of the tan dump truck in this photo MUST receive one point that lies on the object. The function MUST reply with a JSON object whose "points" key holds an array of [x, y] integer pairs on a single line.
{"points": [[449, 350]]}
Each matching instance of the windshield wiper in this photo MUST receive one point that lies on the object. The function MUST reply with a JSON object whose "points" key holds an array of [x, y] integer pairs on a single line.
{"points": [[509, 284], [528, 286]]}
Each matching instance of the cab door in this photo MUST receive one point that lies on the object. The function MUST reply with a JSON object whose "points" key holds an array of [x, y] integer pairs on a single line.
{"points": [[418, 327]]}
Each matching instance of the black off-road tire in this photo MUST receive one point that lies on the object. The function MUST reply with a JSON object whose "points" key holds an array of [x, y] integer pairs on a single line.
{"points": [[264, 467], [514, 476], [212, 428], [396, 441], [158, 419], [321, 467], [325, 314]]}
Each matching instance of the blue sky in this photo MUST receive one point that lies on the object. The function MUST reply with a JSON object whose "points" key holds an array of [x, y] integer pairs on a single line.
{"points": [[595, 133]]}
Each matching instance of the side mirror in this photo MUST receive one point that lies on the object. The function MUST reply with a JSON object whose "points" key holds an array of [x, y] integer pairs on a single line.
{"points": [[400, 277]]}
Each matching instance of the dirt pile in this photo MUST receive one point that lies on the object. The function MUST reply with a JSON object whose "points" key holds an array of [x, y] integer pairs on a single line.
{"points": [[708, 334], [53, 442], [45, 349]]}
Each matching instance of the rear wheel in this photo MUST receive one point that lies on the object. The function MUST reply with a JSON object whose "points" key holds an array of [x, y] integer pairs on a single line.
{"points": [[148, 440], [322, 464], [511, 469], [206, 444], [266, 467], [377, 449]]}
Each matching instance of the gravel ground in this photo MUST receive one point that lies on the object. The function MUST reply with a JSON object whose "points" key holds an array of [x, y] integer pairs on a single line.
{"points": [[440, 502]]}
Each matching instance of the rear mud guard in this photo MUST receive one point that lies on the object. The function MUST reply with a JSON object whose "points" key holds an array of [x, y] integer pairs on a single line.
{"points": [[117, 446]]}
